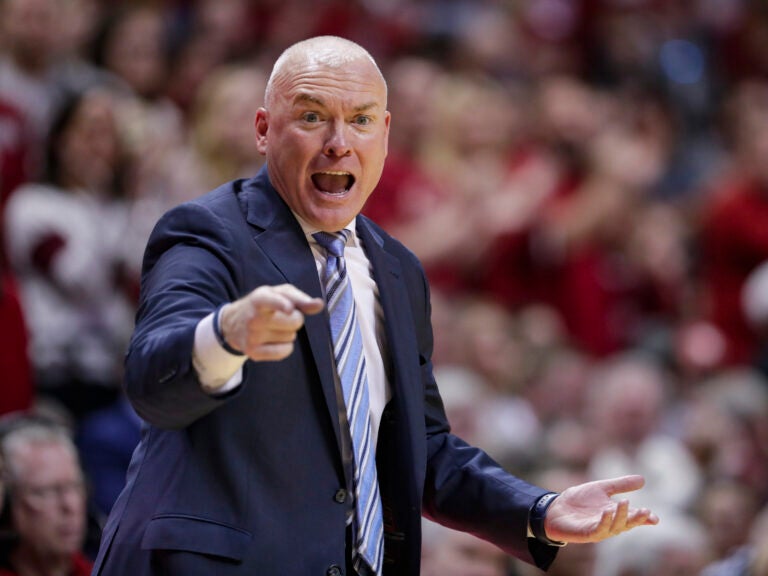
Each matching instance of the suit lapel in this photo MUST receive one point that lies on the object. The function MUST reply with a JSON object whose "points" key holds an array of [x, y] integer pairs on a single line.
{"points": [[405, 375], [281, 238]]}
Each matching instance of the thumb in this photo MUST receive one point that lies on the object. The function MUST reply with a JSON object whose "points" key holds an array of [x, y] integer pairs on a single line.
{"points": [[623, 484]]}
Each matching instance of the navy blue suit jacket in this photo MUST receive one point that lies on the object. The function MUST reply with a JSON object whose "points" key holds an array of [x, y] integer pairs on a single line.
{"points": [[248, 483]]}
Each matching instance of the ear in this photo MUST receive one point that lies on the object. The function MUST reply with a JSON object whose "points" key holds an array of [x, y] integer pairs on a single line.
{"points": [[261, 123], [387, 119]]}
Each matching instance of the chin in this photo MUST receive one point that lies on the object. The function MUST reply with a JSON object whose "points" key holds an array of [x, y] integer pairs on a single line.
{"points": [[332, 220]]}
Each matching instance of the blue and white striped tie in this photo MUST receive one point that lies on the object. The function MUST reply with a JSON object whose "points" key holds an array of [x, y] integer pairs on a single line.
{"points": [[367, 522]]}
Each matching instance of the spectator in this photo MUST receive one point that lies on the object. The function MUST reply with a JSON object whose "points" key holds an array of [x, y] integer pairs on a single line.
{"points": [[448, 552], [751, 559], [64, 241], [726, 428], [132, 45], [727, 510], [410, 202], [219, 147], [17, 388], [47, 503], [733, 232], [220, 144], [680, 547], [31, 79], [627, 399]]}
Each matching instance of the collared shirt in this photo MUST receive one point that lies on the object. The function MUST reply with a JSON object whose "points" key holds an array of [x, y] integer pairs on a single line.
{"points": [[219, 371]]}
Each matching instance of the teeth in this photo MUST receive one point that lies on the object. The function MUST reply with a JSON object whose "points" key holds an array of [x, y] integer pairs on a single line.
{"points": [[335, 173]]}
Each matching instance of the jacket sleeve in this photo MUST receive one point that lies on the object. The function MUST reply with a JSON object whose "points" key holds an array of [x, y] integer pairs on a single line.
{"points": [[188, 270]]}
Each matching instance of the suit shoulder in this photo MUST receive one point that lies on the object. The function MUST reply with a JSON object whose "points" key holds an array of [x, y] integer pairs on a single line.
{"points": [[222, 198], [215, 220], [389, 242]]}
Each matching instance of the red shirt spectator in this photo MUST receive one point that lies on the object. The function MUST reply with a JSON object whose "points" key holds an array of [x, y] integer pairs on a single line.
{"points": [[14, 365], [734, 241]]}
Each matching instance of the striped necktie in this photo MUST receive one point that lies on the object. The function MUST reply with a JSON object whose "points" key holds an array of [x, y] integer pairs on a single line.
{"points": [[367, 524]]}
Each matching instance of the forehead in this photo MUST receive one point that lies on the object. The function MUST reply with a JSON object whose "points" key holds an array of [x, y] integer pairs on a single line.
{"points": [[40, 461], [350, 82]]}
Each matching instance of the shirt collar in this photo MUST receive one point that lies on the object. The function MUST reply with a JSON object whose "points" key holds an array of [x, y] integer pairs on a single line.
{"points": [[309, 229]]}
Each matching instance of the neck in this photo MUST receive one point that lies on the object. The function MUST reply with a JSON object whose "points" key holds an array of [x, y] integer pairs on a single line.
{"points": [[29, 562]]}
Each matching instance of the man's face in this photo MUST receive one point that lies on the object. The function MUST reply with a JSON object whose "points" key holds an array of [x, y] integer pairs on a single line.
{"points": [[48, 504], [325, 136]]}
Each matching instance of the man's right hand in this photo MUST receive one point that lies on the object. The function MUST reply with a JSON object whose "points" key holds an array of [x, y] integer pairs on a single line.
{"points": [[263, 324]]}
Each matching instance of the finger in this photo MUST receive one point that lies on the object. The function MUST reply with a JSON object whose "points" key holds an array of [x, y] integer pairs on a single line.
{"points": [[266, 300], [619, 523], [311, 306], [604, 525], [270, 351], [641, 517], [281, 322], [623, 484], [300, 300], [272, 337], [279, 335]]}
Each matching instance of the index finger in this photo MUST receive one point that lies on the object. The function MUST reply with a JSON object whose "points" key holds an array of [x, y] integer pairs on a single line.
{"points": [[298, 300]]}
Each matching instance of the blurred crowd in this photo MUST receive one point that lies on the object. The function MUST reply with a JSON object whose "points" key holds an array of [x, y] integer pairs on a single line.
{"points": [[585, 182]]}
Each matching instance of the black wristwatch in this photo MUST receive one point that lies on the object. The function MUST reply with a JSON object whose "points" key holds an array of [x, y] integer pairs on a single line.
{"points": [[537, 515]]}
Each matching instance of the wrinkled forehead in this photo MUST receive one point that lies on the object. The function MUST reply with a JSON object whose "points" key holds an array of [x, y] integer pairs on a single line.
{"points": [[332, 57], [355, 68]]}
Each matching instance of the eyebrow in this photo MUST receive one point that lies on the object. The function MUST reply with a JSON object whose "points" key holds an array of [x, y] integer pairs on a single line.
{"points": [[304, 97]]}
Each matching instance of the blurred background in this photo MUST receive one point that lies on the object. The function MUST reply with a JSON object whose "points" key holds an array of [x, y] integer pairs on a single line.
{"points": [[585, 182]]}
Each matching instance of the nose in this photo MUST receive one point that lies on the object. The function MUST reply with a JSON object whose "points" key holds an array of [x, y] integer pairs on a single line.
{"points": [[337, 142]]}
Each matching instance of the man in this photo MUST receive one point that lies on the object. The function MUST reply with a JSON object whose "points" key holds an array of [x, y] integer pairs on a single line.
{"points": [[47, 503], [28, 71], [251, 462]]}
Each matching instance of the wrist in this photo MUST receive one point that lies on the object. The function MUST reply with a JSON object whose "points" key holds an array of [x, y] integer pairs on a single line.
{"points": [[537, 516], [217, 331]]}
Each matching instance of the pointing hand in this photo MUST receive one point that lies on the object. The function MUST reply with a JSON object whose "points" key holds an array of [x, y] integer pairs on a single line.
{"points": [[263, 324]]}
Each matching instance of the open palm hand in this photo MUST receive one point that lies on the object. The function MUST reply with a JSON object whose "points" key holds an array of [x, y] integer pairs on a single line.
{"points": [[586, 512]]}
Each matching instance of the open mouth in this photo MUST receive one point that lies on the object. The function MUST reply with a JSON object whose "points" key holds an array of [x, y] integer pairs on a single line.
{"points": [[333, 181]]}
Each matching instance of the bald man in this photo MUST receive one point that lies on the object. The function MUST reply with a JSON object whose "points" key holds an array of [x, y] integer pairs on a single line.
{"points": [[263, 454]]}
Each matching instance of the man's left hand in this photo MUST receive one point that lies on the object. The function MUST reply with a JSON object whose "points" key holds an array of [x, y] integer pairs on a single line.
{"points": [[586, 512]]}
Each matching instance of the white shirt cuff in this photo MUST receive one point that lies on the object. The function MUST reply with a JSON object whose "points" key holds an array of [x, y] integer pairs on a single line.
{"points": [[219, 371]]}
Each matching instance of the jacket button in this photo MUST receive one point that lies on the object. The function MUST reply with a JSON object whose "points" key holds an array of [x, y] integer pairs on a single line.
{"points": [[333, 570], [340, 496]]}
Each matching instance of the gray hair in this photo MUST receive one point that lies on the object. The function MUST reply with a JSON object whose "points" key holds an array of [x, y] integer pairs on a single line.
{"points": [[23, 435]]}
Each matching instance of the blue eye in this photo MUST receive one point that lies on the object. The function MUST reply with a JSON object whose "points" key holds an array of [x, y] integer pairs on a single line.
{"points": [[363, 120], [312, 117]]}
